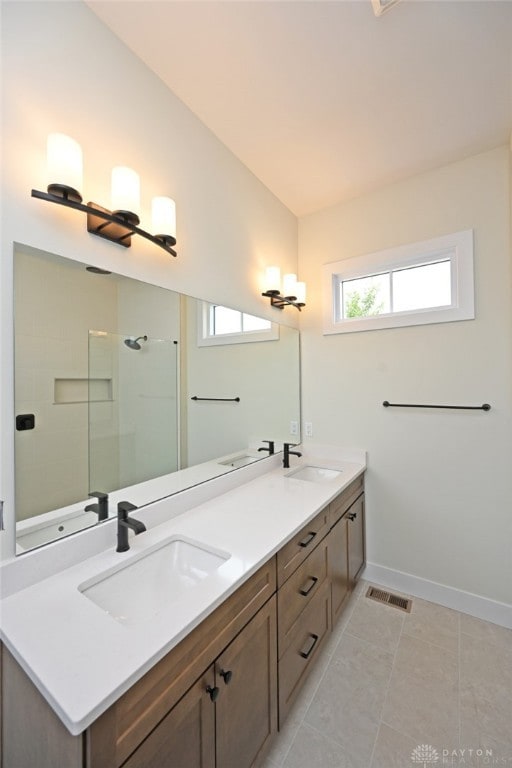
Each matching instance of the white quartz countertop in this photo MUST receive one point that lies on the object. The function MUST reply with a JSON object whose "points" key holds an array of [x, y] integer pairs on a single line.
{"points": [[82, 659]]}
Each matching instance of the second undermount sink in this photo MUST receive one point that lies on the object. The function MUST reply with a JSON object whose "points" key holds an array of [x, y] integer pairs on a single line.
{"points": [[315, 474], [142, 588]]}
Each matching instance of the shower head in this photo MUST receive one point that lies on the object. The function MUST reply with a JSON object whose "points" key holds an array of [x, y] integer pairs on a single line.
{"points": [[134, 343]]}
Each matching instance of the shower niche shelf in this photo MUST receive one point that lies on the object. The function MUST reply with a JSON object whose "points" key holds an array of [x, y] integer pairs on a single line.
{"points": [[76, 390]]}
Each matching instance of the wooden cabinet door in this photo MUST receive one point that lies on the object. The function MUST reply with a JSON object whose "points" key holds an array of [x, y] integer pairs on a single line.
{"points": [[356, 548], [338, 566], [186, 736], [246, 707]]}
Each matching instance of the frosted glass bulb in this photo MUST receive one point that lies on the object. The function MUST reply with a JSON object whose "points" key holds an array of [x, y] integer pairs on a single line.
{"points": [[300, 292], [273, 279], [163, 212], [125, 191], [64, 166], [289, 284]]}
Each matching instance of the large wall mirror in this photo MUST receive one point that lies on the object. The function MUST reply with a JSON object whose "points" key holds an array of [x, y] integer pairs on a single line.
{"points": [[131, 390]]}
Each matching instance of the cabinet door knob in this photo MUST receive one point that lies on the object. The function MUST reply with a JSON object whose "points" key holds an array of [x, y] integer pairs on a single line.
{"points": [[213, 692], [227, 674], [352, 515]]}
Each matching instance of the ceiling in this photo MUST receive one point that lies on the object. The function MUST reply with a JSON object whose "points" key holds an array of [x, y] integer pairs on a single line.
{"points": [[324, 101]]}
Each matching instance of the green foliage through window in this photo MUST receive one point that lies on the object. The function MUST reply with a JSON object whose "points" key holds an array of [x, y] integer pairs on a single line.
{"points": [[363, 303]]}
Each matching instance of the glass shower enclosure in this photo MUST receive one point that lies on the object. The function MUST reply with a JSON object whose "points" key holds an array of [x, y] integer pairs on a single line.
{"points": [[133, 409]]}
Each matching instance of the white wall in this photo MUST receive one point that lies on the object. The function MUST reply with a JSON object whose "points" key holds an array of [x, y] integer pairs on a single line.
{"points": [[64, 71], [439, 485]]}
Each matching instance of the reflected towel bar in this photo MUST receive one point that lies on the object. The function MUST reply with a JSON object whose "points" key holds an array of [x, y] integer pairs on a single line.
{"points": [[484, 407], [218, 399]]}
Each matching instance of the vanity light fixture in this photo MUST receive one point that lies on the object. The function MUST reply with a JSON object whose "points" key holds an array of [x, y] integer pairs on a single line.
{"points": [[293, 292], [118, 225]]}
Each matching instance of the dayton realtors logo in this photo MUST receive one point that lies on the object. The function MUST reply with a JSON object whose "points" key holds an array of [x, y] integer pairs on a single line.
{"points": [[425, 755]]}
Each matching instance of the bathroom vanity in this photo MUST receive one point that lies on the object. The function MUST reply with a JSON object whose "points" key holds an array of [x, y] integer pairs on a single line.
{"points": [[208, 682]]}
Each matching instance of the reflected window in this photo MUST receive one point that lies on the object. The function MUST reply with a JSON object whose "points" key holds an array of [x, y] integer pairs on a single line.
{"points": [[223, 325], [225, 320]]}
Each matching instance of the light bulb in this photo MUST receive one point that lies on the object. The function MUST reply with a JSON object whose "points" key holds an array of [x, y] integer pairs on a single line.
{"points": [[64, 165], [126, 193], [289, 285], [273, 279], [163, 212]]}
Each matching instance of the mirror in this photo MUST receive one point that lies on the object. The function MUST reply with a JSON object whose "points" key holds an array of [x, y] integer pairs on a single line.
{"points": [[129, 389]]}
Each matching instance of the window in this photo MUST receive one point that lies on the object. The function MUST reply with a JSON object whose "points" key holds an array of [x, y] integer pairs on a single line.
{"points": [[427, 282], [222, 325]]}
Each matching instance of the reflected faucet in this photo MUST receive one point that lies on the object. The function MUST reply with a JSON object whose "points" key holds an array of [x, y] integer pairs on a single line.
{"points": [[101, 508], [124, 523], [270, 448], [287, 453]]}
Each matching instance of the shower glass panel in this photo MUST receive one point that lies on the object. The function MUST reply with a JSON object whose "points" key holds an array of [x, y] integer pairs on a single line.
{"points": [[133, 409]]}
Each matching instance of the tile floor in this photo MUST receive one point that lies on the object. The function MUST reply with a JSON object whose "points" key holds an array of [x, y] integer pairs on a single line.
{"points": [[388, 682]]}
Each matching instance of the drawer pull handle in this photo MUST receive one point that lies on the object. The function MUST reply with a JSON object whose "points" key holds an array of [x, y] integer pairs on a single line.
{"points": [[352, 515], [307, 654], [227, 674], [307, 541], [213, 692], [305, 591]]}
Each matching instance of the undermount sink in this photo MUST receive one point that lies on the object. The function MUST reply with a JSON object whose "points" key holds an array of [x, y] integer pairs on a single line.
{"points": [[315, 474], [139, 590]]}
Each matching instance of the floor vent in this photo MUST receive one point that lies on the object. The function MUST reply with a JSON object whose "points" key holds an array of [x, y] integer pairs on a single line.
{"points": [[387, 597]]}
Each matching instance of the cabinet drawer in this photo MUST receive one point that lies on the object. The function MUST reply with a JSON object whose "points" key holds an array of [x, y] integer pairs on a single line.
{"points": [[341, 503], [295, 552], [300, 589], [309, 634], [115, 735]]}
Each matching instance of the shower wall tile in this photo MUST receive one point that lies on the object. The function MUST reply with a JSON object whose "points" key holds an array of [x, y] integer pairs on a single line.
{"points": [[49, 347]]}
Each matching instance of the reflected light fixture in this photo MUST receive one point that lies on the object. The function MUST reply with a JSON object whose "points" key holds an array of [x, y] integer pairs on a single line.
{"points": [[64, 162], [293, 292]]}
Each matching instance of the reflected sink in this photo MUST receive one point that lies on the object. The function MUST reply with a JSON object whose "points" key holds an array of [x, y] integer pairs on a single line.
{"points": [[139, 590], [315, 474], [238, 461]]}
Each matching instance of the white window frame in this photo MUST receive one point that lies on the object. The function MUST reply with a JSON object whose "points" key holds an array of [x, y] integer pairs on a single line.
{"points": [[457, 248], [206, 339]]}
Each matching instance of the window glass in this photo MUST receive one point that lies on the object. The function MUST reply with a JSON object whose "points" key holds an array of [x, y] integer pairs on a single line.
{"points": [[225, 320], [253, 323], [366, 296], [428, 285]]}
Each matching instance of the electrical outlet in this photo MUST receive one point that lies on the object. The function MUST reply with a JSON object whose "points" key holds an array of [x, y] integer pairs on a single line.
{"points": [[294, 427], [309, 428]]}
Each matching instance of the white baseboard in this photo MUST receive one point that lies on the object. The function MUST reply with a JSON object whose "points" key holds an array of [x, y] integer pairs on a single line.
{"points": [[466, 602]]}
